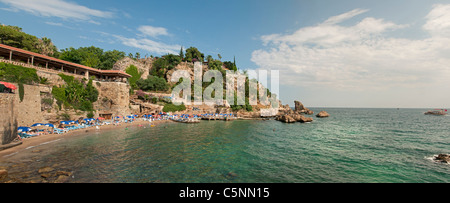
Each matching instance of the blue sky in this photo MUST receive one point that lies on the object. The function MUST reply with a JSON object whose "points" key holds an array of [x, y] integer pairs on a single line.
{"points": [[329, 53]]}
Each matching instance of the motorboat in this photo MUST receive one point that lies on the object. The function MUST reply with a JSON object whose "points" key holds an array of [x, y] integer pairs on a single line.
{"points": [[437, 112]]}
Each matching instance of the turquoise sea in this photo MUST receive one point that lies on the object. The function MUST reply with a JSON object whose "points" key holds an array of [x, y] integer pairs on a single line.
{"points": [[353, 145]]}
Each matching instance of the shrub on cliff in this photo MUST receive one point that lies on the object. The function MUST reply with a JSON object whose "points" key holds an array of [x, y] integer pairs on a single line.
{"points": [[75, 94], [193, 53], [152, 83], [164, 64], [172, 107], [135, 75], [93, 57]]}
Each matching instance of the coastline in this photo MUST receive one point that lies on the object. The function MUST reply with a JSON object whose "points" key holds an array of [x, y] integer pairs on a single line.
{"points": [[29, 143]]}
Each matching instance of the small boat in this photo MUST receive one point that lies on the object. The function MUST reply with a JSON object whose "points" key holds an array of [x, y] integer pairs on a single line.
{"points": [[184, 120], [437, 112]]}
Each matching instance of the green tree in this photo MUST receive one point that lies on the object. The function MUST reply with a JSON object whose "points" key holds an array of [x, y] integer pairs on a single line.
{"points": [[13, 36], [75, 94], [230, 65], [92, 56], [152, 83], [220, 56], [135, 75], [209, 58], [46, 47], [109, 58], [181, 53], [91, 60], [193, 53], [164, 64]]}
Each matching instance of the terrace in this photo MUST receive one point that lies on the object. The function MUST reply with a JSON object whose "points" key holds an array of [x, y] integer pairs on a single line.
{"points": [[44, 63]]}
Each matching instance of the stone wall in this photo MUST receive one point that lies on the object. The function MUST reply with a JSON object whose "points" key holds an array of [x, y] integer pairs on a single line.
{"points": [[8, 118], [29, 110], [113, 97]]}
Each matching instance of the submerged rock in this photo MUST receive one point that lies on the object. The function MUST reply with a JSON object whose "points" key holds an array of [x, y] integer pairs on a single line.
{"points": [[45, 170], [323, 114], [62, 179], [3, 174], [444, 158]]}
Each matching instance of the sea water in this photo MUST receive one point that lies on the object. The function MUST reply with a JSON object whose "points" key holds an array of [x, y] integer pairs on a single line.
{"points": [[353, 145]]}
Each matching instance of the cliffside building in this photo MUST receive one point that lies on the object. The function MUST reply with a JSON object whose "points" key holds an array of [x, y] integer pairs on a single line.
{"points": [[48, 64]]}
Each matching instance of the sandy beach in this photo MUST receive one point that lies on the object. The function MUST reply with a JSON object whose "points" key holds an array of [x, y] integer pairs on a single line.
{"points": [[29, 143]]}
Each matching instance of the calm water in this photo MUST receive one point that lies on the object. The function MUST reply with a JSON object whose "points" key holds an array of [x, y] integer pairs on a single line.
{"points": [[353, 145]]}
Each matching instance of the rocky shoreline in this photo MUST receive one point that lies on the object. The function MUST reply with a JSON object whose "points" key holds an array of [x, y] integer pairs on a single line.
{"points": [[287, 115]]}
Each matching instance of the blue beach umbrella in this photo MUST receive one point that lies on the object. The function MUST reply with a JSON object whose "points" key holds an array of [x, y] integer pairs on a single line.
{"points": [[37, 124], [65, 122], [50, 125], [24, 129]]}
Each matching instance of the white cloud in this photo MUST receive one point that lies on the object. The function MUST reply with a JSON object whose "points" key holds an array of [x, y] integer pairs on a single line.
{"points": [[438, 20], [359, 57], [58, 8], [345, 16], [151, 31], [148, 45]]}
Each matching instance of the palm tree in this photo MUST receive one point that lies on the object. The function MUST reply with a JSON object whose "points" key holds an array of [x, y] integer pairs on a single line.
{"points": [[46, 46]]}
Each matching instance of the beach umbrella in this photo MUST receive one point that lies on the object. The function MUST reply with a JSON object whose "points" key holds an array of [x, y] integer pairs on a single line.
{"points": [[24, 129], [65, 122], [9, 85], [100, 118], [50, 125], [37, 124]]}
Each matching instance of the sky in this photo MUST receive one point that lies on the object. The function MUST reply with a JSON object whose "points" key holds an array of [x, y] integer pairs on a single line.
{"points": [[348, 53]]}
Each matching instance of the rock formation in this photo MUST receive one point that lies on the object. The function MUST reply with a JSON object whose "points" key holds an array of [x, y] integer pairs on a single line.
{"points": [[323, 114], [292, 118], [286, 119], [299, 108], [287, 115], [143, 65]]}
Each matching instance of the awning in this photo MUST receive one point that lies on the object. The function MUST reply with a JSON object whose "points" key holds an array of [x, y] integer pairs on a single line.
{"points": [[9, 85]]}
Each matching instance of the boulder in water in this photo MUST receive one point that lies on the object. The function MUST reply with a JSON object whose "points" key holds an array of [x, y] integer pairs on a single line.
{"points": [[287, 119], [300, 108], [323, 114], [444, 158]]}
